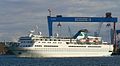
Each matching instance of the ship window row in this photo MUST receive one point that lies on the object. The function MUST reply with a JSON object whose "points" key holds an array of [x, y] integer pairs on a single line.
{"points": [[25, 45], [50, 46], [25, 38], [46, 46], [48, 39], [88, 46], [38, 45], [94, 46], [77, 46], [52, 39], [65, 40], [51, 42], [71, 43], [26, 41]]}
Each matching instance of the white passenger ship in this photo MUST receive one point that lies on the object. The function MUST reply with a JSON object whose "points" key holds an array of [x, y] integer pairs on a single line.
{"points": [[80, 45]]}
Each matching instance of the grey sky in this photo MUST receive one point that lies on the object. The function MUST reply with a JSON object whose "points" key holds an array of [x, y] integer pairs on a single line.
{"points": [[18, 17]]}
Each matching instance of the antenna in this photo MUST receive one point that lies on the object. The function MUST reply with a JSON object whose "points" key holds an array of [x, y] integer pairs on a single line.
{"points": [[69, 30], [98, 30], [108, 26], [37, 29]]}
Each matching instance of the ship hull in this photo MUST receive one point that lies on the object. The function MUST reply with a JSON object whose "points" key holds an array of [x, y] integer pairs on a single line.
{"points": [[104, 50]]}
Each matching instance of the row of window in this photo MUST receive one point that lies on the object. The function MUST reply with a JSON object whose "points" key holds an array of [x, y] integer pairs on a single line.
{"points": [[76, 46], [94, 46], [25, 46], [26, 41], [57, 46], [38, 45], [25, 38], [71, 43], [53, 39], [50, 46], [48, 39], [85, 46], [46, 46], [51, 42]]}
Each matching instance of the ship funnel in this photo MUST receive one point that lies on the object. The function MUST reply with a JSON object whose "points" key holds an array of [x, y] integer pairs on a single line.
{"points": [[82, 33]]}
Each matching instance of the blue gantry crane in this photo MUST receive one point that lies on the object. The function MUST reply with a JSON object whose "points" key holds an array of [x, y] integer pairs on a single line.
{"points": [[59, 18]]}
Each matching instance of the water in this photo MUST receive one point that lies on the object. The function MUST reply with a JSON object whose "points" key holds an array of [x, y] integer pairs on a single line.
{"points": [[83, 61]]}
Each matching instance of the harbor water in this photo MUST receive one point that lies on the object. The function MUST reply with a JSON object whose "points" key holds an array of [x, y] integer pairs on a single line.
{"points": [[82, 61]]}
